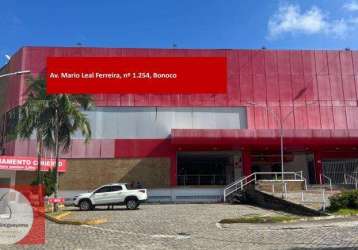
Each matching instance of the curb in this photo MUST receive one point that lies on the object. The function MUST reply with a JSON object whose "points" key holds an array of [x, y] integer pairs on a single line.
{"points": [[305, 219], [60, 216], [328, 217], [59, 220]]}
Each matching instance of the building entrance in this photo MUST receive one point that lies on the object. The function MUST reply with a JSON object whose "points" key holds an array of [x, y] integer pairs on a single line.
{"points": [[208, 168], [293, 162]]}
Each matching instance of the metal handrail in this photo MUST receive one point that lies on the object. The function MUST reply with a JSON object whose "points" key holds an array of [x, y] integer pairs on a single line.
{"points": [[238, 185], [302, 178], [285, 190], [206, 175], [276, 174], [239, 180], [241, 183], [352, 178], [326, 177], [323, 202]]}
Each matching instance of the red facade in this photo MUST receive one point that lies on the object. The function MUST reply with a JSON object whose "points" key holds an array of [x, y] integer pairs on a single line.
{"points": [[315, 92], [270, 78]]}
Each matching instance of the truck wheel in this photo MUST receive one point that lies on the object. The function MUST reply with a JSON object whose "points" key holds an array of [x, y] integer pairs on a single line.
{"points": [[132, 203], [85, 205]]}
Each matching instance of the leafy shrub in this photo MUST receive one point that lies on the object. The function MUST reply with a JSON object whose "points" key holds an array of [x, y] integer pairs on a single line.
{"points": [[348, 199], [49, 181]]}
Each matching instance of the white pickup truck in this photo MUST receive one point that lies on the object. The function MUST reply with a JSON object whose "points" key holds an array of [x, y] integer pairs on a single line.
{"points": [[111, 194]]}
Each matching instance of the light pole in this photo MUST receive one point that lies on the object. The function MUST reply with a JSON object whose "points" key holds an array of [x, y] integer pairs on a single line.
{"points": [[280, 121], [16, 73], [3, 132]]}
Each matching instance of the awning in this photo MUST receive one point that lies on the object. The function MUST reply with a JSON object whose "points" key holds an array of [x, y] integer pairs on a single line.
{"points": [[22, 163], [263, 137]]}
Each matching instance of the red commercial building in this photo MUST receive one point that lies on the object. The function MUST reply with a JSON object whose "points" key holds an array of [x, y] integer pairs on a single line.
{"points": [[205, 141]]}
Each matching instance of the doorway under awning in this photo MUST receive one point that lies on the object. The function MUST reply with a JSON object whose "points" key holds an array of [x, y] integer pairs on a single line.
{"points": [[206, 168], [317, 144]]}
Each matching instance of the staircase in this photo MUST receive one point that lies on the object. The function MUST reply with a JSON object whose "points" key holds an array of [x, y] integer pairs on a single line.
{"points": [[235, 190], [292, 188]]}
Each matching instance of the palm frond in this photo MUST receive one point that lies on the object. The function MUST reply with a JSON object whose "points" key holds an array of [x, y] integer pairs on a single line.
{"points": [[39, 110]]}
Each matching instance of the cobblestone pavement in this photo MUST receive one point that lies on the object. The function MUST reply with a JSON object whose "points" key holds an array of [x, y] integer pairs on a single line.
{"points": [[192, 226]]}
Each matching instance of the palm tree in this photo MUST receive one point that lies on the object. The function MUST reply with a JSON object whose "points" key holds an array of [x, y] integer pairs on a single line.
{"points": [[65, 118], [55, 118], [31, 118]]}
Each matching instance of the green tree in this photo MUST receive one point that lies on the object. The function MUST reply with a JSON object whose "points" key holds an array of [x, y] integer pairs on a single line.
{"points": [[65, 118], [55, 118], [31, 118]]}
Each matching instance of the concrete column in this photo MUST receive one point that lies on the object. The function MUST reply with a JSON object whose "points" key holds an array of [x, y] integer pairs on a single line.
{"points": [[318, 166], [246, 163]]}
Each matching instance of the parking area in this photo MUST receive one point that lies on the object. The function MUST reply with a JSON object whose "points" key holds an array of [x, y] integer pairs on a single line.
{"points": [[194, 226]]}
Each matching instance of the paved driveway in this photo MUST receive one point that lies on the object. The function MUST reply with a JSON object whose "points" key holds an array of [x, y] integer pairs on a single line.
{"points": [[195, 227]]}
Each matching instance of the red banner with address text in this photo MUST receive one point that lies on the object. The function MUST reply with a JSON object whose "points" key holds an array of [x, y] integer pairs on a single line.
{"points": [[140, 75], [23, 163]]}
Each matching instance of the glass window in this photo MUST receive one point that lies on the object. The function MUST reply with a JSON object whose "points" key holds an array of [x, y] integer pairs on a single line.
{"points": [[103, 189], [116, 188], [149, 122]]}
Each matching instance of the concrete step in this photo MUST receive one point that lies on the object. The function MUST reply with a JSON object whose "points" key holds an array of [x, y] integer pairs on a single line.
{"points": [[237, 197]]}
